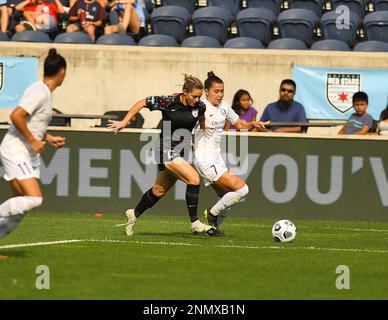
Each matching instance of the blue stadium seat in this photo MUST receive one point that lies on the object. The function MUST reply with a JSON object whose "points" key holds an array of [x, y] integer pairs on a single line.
{"points": [[233, 6], [201, 42], [31, 36], [272, 5], [380, 5], [212, 22], [244, 43], [330, 45], [256, 23], [158, 40], [3, 37], [171, 21], [298, 24], [187, 4], [376, 26], [357, 6], [288, 43], [371, 46], [73, 37], [313, 5], [116, 39], [348, 33]]}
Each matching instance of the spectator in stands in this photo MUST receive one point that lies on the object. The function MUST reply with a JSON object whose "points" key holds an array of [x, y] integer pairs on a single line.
{"points": [[130, 16], [40, 15], [4, 16], [286, 109], [86, 15], [359, 122], [383, 125], [242, 105]]}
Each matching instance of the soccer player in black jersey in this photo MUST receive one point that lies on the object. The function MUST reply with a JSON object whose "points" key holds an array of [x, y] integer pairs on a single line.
{"points": [[180, 114]]}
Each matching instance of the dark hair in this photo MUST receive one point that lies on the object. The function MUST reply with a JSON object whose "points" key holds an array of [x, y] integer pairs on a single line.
{"points": [[360, 96], [236, 100], [211, 78], [192, 83], [384, 114], [53, 63], [289, 82]]}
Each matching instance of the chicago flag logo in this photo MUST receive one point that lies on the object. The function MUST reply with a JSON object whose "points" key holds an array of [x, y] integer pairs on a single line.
{"points": [[340, 88]]}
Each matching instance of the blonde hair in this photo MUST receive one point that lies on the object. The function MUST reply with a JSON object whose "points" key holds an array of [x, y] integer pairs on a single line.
{"points": [[192, 83]]}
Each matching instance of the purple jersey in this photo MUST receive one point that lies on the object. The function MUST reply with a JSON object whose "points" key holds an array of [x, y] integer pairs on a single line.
{"points": [[247, 116]]}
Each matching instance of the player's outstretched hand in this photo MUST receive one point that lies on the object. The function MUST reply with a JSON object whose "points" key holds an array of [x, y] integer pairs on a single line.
{"points": [[116, 126], [55, 141]]}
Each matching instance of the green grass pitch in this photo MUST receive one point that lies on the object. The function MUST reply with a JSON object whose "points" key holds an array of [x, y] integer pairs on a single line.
{"points": [[163, 260]]}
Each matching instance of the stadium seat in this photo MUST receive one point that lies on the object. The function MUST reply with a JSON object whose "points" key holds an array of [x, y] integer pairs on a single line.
{"points": [[158, 40], [298, 24], [244, 43], [187, 4], [288, 43], [330, 45], [376, 26], [272, 5], [116, 39], [330, 29], [171, 21], [73, 37], [357, 6], [3, 36], [256, 23], [371, 46], [233, 6], [201, 42], [314, 5], [31, 36], [380, 5], [212, 22]]}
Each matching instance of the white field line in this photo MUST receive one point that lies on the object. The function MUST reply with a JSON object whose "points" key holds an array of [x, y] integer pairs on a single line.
{"points": [[164, 243]]}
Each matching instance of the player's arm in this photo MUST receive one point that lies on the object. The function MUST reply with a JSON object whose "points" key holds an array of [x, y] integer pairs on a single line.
{"points": [[228, 125], [240, 124], [55, 141], [116, 126], [18, 118]]}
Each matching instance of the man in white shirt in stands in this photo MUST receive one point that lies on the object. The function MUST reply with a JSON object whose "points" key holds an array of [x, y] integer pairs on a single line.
{"points": [[24, 142]]}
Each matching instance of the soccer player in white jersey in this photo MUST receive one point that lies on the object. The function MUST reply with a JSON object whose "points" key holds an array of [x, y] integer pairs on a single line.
{"points": [[24, 142], [208, 159]]}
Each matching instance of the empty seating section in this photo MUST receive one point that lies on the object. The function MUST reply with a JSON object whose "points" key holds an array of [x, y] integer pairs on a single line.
{"points": [[337, 25]]}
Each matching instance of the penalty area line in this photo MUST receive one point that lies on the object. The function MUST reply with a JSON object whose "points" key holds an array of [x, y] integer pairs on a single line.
{"points": [[184, 244]]}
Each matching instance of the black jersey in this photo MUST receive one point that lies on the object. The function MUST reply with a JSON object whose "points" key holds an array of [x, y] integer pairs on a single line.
{"points": [[175, 116]]}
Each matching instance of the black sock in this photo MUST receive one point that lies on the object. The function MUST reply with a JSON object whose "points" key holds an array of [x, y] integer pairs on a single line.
{"points": [[192, 194], [147, 201]]}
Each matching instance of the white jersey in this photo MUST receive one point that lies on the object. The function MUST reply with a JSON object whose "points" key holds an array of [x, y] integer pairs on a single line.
{"points": [[37, 102], [208, 140]]}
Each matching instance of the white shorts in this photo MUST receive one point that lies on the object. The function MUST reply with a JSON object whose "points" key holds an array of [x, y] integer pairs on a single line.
{"points": [[18, 164], [211, 170]]}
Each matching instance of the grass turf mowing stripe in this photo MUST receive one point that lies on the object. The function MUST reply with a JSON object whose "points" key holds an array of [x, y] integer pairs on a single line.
{"points": [[37, 244]]}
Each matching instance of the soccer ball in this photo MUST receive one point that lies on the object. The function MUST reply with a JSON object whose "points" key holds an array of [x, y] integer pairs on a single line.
{"points": [[284, 231]]}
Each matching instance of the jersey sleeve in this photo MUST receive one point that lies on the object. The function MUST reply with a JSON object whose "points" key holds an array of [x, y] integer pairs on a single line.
{"points": [[232, 116], [202, 109], [31, 100], [368, 121], [159, 102]]}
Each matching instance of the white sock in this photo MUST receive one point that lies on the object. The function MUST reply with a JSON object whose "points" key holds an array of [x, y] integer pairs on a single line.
{"points": [[7, 225], [228, 200], [19, 205]]}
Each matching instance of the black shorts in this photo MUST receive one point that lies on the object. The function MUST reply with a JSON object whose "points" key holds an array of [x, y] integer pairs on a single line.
{"points": [[168, 156]]}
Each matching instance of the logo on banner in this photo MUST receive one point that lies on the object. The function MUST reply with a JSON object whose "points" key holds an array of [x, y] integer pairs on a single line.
{"points": [[1, 75], [340, 88]]}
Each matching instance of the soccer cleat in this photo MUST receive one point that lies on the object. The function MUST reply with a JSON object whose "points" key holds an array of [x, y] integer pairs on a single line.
{"points": [[213, 221], [201, 228], [130, 214]]}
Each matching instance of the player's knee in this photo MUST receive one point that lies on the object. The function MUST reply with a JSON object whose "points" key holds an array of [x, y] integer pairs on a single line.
{"points": [[194, 180], [34, 202]]}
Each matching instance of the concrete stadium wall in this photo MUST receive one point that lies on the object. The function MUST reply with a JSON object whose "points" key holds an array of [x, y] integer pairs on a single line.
{"points": [[101, 78]]}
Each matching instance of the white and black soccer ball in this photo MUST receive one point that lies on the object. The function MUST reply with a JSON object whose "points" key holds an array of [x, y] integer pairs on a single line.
{"points": [[284, 231]]}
